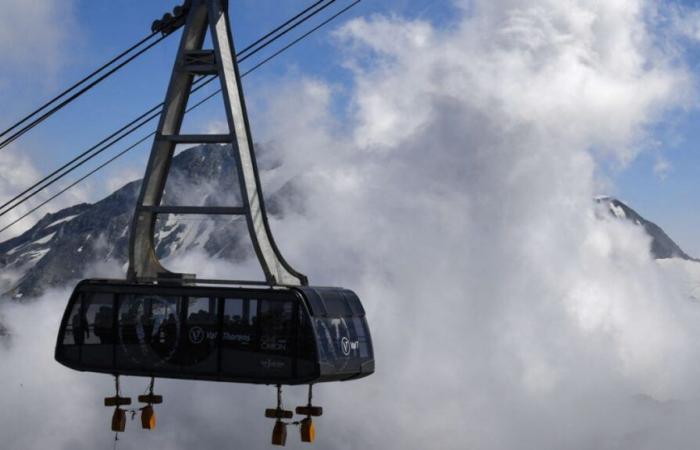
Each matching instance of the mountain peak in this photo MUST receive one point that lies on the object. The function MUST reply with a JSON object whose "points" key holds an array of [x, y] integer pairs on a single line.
{"points": [[662, 246]]}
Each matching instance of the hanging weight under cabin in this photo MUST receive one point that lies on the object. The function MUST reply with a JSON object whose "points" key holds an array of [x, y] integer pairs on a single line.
{"points": [[282, 335]]}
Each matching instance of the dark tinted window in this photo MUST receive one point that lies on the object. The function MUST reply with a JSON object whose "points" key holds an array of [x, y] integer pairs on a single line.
{"points": [[94, 327], [149, 330], [315, 303], [336, 305], [200, 335], [88, 337], [99, 316], [359, 329], [90, 320], [276, 327], [342, 338], [354, 303], [240, 324], [306, 340], [74, 332], [240, 341]]}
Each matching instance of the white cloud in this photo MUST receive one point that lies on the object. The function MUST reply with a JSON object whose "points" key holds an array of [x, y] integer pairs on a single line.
{"points": [[123, 177], [34, 35], [686, 22], [457, 201], [217, 127], [662, 167], [17, 173]]}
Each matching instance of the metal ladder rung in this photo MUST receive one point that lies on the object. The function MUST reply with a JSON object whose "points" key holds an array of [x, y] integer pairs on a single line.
{"points": [[198, 138], [223, 210], [202, 69], [203, 56], [201, 62]]}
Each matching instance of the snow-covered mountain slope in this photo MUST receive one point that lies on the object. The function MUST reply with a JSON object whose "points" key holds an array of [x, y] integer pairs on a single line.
{"points": [[81, 240], [73, 242]]}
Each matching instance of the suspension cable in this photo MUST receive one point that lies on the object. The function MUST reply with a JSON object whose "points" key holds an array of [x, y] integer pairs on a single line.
{"points": [[74, 86], [100, 167], [143, 139], [270, 41], [249, 47], [300, 38], [61, 105], [147, 117], [121, 55], [18, 199]]}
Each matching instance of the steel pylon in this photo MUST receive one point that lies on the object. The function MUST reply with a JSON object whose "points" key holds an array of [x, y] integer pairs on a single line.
{"points": [[192, 59]]}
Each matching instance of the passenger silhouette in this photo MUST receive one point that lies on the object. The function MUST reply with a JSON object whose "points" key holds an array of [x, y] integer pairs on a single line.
{"points": [[80, 327], [103, 325]]}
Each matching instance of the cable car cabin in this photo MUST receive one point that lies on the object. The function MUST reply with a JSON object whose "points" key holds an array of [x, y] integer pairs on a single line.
{"points": [[287, 335]]}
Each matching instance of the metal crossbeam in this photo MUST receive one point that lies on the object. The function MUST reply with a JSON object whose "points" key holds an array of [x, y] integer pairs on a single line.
{"points": [[198, 138], [191, 57], [204, 210], [201, 62]]}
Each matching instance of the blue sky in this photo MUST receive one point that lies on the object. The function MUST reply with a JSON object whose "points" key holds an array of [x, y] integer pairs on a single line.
{"points": [[99, 30]]}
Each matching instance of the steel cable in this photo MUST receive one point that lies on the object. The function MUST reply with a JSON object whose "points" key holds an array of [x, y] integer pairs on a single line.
{"points": [[131, 147], [153, 112], [74, 86], [18, 199], [61, 105]]}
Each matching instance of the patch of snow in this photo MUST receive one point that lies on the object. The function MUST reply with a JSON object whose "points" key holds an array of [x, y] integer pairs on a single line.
{"points": [[65, 219], [45, 239], [617, 211], [13, 250], [196, 233], [41, 241], [36, 255], [167, 229]]}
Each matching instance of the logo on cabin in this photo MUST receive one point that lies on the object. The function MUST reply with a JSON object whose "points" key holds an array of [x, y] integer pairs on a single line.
{"points": [[346, 345], [272, 364], [196, 335]]}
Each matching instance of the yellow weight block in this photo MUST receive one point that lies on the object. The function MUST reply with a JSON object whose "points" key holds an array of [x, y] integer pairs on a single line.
{"points": [[279, 433], [148, 418], [308, 430], [119, 420]]}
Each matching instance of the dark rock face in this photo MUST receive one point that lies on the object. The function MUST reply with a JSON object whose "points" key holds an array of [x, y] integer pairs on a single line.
{"points": [[64, 246], [662, 246]]}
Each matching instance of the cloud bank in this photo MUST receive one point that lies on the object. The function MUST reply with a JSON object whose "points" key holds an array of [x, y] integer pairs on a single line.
{"points": [[18, 173], [456, 199]]}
